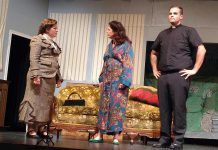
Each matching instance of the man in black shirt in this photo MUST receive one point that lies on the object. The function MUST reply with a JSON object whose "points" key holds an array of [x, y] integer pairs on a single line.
{"points": [[172, 65]]}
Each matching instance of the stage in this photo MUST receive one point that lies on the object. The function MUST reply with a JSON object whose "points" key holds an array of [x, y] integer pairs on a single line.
{"points": [[18, 140]]}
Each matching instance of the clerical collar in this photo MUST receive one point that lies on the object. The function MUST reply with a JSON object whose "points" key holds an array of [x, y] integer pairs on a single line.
{"points": [[173, 27]]}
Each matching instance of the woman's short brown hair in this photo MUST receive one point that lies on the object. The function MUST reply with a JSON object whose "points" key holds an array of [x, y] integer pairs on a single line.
{"points": [[46, 24]]}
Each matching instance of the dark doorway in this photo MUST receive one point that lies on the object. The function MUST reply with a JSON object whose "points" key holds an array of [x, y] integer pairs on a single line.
{"points": [[17, 70]]}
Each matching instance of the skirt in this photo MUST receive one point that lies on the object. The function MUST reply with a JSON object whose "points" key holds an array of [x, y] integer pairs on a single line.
{"points": [[38, 101]]}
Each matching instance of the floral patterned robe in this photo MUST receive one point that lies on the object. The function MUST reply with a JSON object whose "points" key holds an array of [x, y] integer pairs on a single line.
{"points": [[117, 69]]}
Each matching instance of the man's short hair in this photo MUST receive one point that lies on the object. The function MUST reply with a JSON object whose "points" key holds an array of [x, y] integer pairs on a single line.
{"points": [[180, 8]]}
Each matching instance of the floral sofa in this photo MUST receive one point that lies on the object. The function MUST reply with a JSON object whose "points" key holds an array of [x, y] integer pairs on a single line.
{"points": [[142, 114]]}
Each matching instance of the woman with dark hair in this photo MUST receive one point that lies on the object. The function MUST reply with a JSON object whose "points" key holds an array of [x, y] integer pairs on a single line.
{"points": [[114, 81], [42, 77]]}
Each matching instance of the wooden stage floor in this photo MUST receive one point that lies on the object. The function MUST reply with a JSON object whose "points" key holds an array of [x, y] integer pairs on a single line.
{"points": [[18, 141]]}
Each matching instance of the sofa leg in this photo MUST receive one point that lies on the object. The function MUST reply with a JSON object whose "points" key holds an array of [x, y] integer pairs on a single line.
{"points": [[132, 136], [144, 140], [91, 134], [58, 133], [53, 128]]}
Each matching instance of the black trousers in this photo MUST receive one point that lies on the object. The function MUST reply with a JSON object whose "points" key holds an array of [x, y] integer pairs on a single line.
{"points": [[172, 94]]}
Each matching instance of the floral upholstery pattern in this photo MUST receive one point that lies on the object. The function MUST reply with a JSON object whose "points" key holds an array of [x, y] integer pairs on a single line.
{"points": [[138, 114]]}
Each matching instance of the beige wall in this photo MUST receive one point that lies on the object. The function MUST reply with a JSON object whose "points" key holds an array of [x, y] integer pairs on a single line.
{"points": [[201, 14], [24, 17]]}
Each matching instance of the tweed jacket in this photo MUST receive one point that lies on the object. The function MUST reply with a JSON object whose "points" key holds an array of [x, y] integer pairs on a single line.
{"points": [[44, 58]]}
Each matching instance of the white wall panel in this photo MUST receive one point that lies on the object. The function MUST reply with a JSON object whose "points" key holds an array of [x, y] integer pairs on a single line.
{"points": [[73, 38]]}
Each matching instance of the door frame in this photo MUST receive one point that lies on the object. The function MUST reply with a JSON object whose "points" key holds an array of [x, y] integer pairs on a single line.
{"points": [[11, 32]]}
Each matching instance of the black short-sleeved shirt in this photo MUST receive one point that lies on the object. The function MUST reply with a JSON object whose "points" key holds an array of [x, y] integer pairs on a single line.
{"points": [[175, 46]]}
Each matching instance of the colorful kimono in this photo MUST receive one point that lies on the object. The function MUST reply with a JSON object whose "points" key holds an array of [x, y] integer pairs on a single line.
{"points": [[117, 69]]}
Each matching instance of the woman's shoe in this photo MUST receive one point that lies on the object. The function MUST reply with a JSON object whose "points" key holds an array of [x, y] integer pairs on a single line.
{"points": [[45, 134], [42, 132], [116, 142], [31, 134], [96, 140]]}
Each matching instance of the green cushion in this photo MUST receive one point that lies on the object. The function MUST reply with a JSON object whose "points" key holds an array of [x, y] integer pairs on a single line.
{"points": [[194, 122], [196, 89], [194, 104], [210, 94]]}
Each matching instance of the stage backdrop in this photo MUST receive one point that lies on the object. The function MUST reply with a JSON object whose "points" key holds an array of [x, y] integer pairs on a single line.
{"points": [[202, 103], [82, 56]]}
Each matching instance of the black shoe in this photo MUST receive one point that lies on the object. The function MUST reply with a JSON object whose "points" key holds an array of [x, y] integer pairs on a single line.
{"points": [[161, 145], [176, 146]]}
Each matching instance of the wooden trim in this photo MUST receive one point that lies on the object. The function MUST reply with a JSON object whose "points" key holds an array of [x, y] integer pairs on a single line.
{"points": [[151, 133], [69, 84], [3, 100], [74, 127]]}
